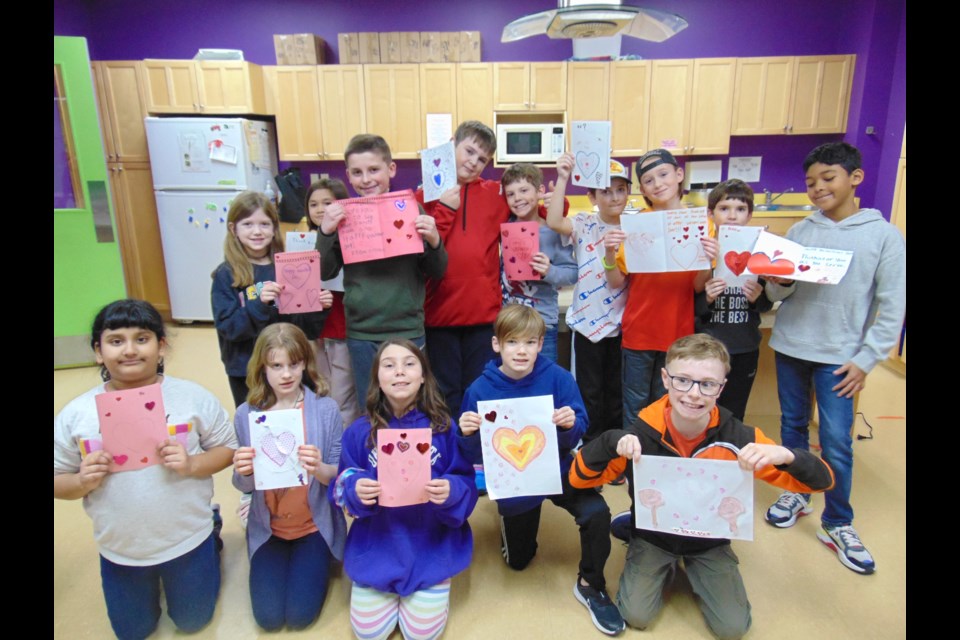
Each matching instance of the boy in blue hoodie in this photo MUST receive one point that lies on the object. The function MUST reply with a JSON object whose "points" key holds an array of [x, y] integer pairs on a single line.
{"points": [[519, 373]]}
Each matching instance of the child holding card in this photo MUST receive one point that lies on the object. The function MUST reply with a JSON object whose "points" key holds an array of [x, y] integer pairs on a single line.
{"points": [[554, 263], [401, 559], [686, 422], [292, 533], [152, 524], [520, 373]]}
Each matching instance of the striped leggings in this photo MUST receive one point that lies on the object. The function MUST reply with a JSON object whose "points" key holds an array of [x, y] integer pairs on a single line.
{"points": [[422, 615]]}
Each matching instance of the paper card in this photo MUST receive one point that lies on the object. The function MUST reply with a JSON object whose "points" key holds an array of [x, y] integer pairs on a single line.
{"points": [[693, 497], [133, 425], [181, 432], [519, 241], [662, 241], [439, 168], [439, 129], [403, 466], [223, 152], [519, 444], [300, 241], [299, 274], [735, 248], [746, 168], [379, 227], [88, 446], [590, 145], [193, 150], [276, 437], [777, 256]]}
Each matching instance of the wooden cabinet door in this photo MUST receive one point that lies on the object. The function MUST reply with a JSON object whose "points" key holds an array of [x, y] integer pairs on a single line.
{"points": [[342, 107], [170, 86], [511, 86], [438, 92], [230, 87], [588, 91], [711, 106], [103, 109], [125, 103], [670, 92], [295, 99], [475, 92], [393, 106], [629, 106], [821, 97], [761, 96], [548, 86]]}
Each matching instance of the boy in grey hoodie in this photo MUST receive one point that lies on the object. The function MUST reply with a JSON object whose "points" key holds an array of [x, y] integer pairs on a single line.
{"points": [[829, 337]]}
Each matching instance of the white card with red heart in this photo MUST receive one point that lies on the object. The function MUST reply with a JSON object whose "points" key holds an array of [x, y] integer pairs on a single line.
{"points": [[439, 167], [776, 256], [276, 437], [133, 424], [299, 275], [300, 241], [662, 241], [734, 250], [590, 145]]}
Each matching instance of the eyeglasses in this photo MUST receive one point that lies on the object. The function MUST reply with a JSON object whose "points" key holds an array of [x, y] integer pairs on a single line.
{"points": [[707, 387]]}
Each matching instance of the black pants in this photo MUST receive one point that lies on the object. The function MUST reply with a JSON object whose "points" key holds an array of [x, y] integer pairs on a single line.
{"points": [[457, 357], [238, 387], [598, 376], [743, 371]]}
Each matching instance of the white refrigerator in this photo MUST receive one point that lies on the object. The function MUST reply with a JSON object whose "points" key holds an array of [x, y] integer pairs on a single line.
{"points": [[199, 165]]}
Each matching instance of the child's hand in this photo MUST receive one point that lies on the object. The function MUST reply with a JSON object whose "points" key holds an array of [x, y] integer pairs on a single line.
{"points": [[368, 491], [713, 288], [751, 290], [854, 379], [326, 298], [756, 456], [612, 240], [93, 469], [783, 282], [174, 456], [469, 423], [540, 263], [438, 490], [270, 292], [451, 197], [564, 166], [310, 458], [427, 228], [629, 447], [564, 417], [332, 217], [243, 460], [710, 247]]}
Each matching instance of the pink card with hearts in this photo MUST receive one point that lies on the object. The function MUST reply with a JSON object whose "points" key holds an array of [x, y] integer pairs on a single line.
{"points": [[276, 437], [590, 145], [378, 227], [403, 466], [735, 246], [299, 274], [518, 242], [132, 425]]}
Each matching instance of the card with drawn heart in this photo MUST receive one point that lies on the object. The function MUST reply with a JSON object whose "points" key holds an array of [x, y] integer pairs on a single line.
{"points": [[776, 256], [132, 425], [403, 466], [276, 437], [377, 227], [662, 241], [299, 274], [300, 241], [734, 250], [518, 242], [694, 497], [439, 167], [519, 444], [590, 145]]}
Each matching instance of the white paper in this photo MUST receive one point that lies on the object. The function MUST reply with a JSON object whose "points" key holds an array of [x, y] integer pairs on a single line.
{"points": [[276, 437], [300, 241], [693, 497], [735, 247], [590, 145], [777, 256], [520, 451], [223, 153], [701, 172], [746, 168], [439, 128], [661, 241], [193, 152], [439, 168]]}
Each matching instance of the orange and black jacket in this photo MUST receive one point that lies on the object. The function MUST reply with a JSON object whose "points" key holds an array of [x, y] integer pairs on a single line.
{"points": [[597, 463]]}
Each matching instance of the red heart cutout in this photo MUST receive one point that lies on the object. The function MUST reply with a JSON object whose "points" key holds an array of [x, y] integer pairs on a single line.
{"points": [[107, 414], [736, 262], [423, 447], [686, 228], [522, 229], [804, 267], [409, 235], [685, 236], [150, 405], [120, 459], [398, 223], [513, 259], [777, 253], [760, 264], [303, 235], [700, 226], [118, 398], [505, 417], [506, 233], [144, 460], [490, 416], [387, 448], [403, 446], [576, 177], [403, 435], [389, 240]]}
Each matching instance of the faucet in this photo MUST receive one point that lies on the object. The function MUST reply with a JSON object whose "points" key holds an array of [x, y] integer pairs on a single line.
{"points": [[767, 193]]}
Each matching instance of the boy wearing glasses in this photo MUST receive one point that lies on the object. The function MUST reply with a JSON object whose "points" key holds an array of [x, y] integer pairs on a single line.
{"points": [[687, 423]]}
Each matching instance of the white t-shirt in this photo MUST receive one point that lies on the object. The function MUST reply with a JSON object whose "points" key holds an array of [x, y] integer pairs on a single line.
{"points": [[597, 308], [151, 515]]}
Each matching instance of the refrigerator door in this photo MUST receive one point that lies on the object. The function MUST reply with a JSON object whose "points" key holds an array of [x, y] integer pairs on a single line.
{"points": [[193, 225], [211, 154]]}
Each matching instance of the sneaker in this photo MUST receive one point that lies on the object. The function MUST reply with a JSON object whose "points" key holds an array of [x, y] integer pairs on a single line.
{"points": [[846, 543], [788, 507], [480, 479], [243, 509], [621, 526], [217, 526], [620, 480], [606, 616]]}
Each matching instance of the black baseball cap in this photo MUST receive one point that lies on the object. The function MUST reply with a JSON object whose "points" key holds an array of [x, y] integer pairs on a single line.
{"points": [[662, 156]]}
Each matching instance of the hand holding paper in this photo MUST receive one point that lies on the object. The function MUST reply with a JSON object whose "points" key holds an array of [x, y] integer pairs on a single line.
{"points": [[368, 491], [243, 460], [93, 469], [175, 456], [438, 490], [629, 447]]}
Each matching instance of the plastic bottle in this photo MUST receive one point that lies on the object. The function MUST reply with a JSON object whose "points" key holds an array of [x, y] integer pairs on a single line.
{"points": [[270, 193]]}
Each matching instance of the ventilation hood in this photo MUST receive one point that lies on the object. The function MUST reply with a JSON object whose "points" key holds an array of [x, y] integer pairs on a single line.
{"points": [[595, 18]]}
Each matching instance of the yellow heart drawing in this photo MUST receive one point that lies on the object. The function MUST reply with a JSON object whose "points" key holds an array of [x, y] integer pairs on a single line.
{"points": [[519, 449]]}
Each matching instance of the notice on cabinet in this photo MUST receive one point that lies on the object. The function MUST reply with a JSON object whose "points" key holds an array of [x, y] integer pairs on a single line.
{"points": [[439, 128], [746, 168]]}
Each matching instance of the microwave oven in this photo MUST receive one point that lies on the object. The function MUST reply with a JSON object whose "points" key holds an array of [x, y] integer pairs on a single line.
{"points": [[530, 142]]}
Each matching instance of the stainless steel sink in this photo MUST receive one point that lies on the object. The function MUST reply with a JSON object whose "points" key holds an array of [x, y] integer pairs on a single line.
{"points": [[784, 207]]}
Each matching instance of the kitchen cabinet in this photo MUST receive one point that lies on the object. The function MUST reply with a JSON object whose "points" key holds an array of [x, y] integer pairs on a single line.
{"points": [[629, 106], [343, 112], [761, 102], [204, 86], [122, 110], [588, 91], [293, 96], [438, 92], [821, 98], [475, 92], [529, 86], [392, 96]]}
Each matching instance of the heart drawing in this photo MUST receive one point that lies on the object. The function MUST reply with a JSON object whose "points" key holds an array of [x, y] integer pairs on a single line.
{"points": [[278, 448], [686, 255], [297, 275], [312, 296], [490, 416], [736, 262], [519, 449], [760, 264], [587, 162], [438, 178]]}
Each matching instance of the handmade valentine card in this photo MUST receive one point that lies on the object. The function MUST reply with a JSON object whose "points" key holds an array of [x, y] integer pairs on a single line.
{"points": [[403, 466], [735, 248], [661, 241], [133, 425], [299, 275], [518, 242], [300, 241], [439, 168], [378, 227], [276, 437], [776, 256], [693, 497], [519, 444], [590, 145]]}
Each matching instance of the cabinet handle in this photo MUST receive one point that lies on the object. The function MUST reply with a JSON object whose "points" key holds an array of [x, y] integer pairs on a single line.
{"points": [[196, 107], [790, 129], [533, 105], [691, 149], [119, 169], [784, 128], [526, 104]]}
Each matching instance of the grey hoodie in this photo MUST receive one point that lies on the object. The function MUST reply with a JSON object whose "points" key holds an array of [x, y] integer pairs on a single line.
{"points": [[858, 320]]}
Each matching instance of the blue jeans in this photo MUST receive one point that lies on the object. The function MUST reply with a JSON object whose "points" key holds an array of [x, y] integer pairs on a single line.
{"points": [[795, 378], [288, 581], [549, 350], [191, 584], [642, 384], [362, 353]]}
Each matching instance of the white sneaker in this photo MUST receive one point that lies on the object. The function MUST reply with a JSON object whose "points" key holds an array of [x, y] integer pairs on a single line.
{"points": [[788, 507], [845, 541]]}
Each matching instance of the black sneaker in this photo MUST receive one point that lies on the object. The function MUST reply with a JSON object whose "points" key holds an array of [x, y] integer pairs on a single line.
{"points": [[606, 616], [621, 526], [217, 526]]}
